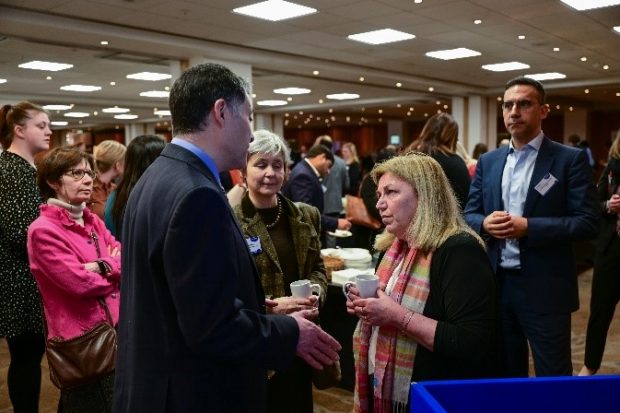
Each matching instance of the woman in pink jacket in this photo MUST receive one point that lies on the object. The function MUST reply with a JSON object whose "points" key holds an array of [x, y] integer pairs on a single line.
{"points": [[76, 263]]}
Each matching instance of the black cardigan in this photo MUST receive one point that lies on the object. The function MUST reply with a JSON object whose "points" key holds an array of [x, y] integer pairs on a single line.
{"points": [[462, 299]]}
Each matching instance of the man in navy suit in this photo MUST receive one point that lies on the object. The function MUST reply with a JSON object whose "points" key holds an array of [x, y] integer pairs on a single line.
{"points": [[193, 334], [531, 200], [304, 185]]}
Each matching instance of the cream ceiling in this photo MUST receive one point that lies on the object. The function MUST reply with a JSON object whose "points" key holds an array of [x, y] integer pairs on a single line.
{"points": [[154, 35]]}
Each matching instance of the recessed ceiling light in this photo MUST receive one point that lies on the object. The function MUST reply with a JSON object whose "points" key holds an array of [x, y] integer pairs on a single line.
{"points": [[125, 116], [152, 76], [477, 21], [342, 96], [48, 78], [271, 102], [398, 84], [315, 72], [362, 78], [320, 100], [570, 108], [499, 98], [557, 107], [584, 59], [59, 123], [155, 94], [556, 49], [417, 1], [112, 83], [586, 91], [431, 89], [605, 67], [49, 66], [521, 37], [2, 80], [290, 99], [77, 114], [504, 67], [618, 94], [450, 54], [80, 88], [617, 29], [546, 76], [115, 109], [95, 113], [274, 10], [292, 91], [590, 4], [104, 43], [57, 107], [381, 36]]}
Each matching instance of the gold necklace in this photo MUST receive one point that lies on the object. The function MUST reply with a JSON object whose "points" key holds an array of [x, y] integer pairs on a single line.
{"points": [[273, 224]]}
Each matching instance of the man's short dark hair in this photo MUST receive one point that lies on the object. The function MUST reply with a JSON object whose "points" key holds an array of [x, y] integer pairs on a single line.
{"points": [[194, 93], [317, 150], [528, 81]]}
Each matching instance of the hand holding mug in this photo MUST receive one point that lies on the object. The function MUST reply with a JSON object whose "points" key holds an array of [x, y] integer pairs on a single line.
{"points": [[365, 286]]}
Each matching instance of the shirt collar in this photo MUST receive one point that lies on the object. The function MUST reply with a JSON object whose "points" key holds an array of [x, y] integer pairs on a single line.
{"points": [[534, 143], [204, 157], [316, 172]]}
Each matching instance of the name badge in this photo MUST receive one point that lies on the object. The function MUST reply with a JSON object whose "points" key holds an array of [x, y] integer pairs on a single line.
{"points": [[254, 245], [546, 184]]}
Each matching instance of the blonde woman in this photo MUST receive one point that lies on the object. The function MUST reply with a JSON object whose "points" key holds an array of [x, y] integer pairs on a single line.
{"points": [[354, 169], [109, 158], [434, 314]]}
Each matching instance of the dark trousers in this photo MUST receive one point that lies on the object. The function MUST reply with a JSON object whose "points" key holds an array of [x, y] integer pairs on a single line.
{"points": [[548, 334], [24, 375], [603, 301]]}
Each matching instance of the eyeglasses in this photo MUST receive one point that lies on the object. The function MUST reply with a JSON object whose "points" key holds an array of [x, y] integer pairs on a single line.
{"points": [[521, 105], [78, 174]]}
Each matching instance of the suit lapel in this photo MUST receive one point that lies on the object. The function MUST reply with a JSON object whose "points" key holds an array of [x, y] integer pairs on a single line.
{"points": [[495, 182], [543, 164]]}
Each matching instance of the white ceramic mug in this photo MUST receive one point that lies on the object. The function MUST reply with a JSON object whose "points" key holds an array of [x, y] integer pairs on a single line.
{"points": [[304, 289], [366, 284]]}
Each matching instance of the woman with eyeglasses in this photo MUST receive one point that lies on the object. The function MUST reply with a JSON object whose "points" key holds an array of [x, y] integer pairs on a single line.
{"points": [[76, 263]]}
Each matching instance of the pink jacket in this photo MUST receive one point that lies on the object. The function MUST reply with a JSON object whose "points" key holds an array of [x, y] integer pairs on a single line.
{"points": [[58, 247]]}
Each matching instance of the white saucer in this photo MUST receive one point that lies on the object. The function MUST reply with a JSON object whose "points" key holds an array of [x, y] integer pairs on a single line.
{"points": [[340, 233]]}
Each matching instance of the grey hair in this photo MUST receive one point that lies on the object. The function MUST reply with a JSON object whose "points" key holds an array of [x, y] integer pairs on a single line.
{"points": [[268, 143]]}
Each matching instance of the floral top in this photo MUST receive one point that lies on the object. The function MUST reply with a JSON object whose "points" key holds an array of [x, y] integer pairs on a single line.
{"points": [[20, 308]]}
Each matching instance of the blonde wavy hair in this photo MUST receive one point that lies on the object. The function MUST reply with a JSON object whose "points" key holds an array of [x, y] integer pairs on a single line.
{"points": [[438, 215], [614, 150], [107, 153]]}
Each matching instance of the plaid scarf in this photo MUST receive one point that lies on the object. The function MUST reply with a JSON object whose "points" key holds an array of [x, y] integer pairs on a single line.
{"points": [[395, 352]]}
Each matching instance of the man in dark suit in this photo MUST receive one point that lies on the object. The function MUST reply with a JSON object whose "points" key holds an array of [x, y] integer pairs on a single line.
{"points": [[531, 200], [193, 334], [304, 185]]}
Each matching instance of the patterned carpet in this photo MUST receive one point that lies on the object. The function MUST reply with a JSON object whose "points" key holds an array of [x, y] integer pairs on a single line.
{"points": [[338, 400]]}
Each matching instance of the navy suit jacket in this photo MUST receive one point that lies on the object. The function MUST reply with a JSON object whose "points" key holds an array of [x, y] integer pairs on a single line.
{"points": [[567, 212], [193, 336], [304, 186]]}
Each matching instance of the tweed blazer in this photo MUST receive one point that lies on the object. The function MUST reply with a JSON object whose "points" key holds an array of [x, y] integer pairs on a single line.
{"points": [[305, 222]]}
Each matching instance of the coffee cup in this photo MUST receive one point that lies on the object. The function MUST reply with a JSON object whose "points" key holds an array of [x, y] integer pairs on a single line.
{"points": [[366, 284], [304, 289]]}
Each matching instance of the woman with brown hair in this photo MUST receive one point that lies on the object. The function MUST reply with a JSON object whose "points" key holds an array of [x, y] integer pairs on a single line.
{"points": [[606, 273], [24, 132], [438, 139], [76, 263]]}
